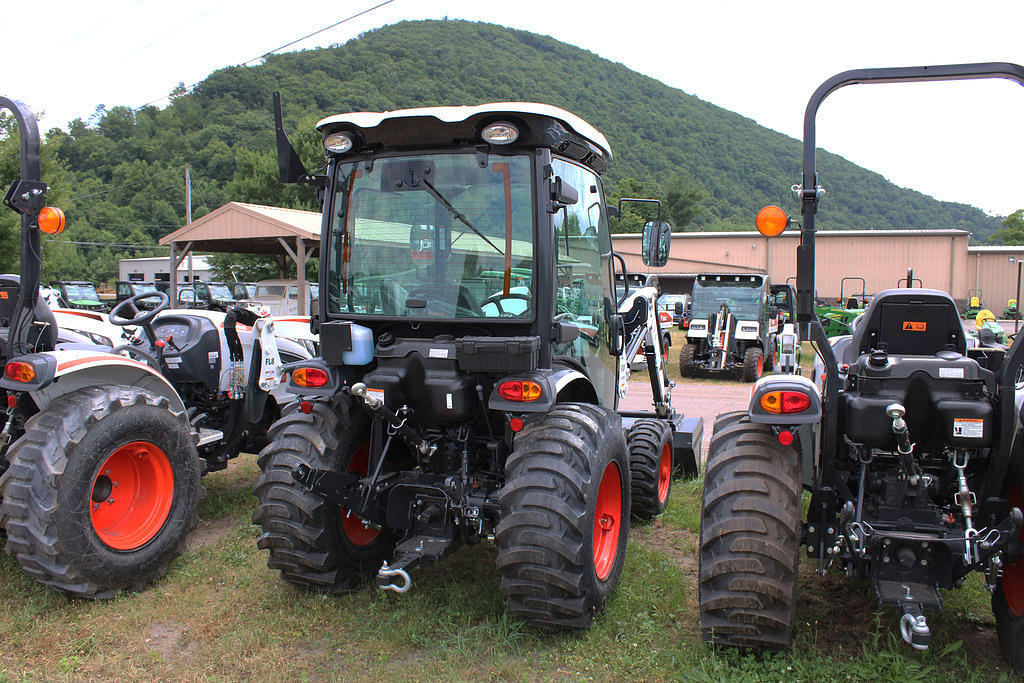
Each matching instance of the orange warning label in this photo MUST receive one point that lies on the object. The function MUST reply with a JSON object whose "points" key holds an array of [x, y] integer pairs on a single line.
{"points": [[3, 295], [911, 326]]}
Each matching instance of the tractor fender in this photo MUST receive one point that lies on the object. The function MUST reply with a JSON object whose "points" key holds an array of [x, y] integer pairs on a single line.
{"points": [[66, 371], [789, 383]]}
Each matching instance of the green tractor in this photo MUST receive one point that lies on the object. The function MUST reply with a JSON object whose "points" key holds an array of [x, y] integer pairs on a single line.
{"points": [[974, 304], [837, 319], [1011, 312]]}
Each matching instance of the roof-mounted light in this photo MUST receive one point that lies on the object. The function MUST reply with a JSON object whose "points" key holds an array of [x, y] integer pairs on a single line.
{"points": [[338, 143], [500, 133], [51, 220]]}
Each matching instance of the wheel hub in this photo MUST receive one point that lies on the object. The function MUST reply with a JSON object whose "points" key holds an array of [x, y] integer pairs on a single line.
{"points": [[144, 478]]}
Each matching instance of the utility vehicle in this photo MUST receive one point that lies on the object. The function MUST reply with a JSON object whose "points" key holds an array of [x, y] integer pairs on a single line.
{"points": [[730, 327], [912, 454], [101, 453], [472, 356], [79, 294]]}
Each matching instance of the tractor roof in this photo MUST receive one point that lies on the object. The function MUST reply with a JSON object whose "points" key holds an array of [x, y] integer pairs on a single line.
{"points": [[445, 125]]}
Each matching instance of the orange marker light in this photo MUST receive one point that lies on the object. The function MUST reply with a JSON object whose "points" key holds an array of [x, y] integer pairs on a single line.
{"points": [[309, 377], [20, 371], [771, 221], [51, 220]]}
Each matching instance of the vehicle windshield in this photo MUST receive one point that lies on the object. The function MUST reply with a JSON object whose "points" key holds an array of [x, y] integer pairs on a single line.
{"points": [[243, 291], [219, 291], [143, 288], [269, 290], [667, 302], [433, 236], [79, 292], [741, 293]]}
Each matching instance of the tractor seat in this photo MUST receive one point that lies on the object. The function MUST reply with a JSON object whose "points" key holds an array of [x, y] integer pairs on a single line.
{"points": [[43, 338], [919, 322]]}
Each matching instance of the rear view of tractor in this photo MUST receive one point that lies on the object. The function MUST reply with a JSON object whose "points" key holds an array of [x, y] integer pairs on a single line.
{"points": [[472, 355], [730, 327], [912, 452]]}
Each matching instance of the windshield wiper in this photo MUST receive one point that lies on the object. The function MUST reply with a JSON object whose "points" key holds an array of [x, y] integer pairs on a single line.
{"points": [[456, 214]]}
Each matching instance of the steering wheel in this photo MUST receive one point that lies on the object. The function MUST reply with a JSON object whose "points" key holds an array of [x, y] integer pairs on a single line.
{"points": [[428, 293], [496, 299], [139, 316]]}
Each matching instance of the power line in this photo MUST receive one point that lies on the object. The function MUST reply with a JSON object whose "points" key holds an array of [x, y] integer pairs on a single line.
{"points": [[119, 187], [120, 245], [267, 54]]}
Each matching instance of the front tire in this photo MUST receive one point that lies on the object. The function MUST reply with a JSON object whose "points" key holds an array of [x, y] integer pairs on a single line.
{"points": [[753, 364], [315, 544], [749, 538], [101, 491], [564, 516], [650, 466], [686, 354]]}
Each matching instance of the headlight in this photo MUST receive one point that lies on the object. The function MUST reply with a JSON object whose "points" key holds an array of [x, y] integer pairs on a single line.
{"points": [[501, 133], [338, 143]]}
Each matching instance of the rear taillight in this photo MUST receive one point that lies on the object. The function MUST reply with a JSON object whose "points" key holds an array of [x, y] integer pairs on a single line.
{"points": [[519, 390], [309, 377], [785, 402], [20, 371]]}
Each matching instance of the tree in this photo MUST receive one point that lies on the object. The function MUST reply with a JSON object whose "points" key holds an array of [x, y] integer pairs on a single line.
{"points": [[1012, 231], [684, 200]]}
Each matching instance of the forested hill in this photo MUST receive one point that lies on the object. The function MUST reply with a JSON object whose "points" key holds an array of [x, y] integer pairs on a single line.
{"points": [[120, 174]]}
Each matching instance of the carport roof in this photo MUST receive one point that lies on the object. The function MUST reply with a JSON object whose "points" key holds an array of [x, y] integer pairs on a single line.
{"points": [[248, 228]]}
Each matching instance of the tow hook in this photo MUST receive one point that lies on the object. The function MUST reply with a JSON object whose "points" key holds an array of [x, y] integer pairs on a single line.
{"points": [[385, 576], [914, 628]]}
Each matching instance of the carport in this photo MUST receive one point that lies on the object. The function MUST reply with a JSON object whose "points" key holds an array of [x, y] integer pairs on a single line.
{"points": [[243, 228]]}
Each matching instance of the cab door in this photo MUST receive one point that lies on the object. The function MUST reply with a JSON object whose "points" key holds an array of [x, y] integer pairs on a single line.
{"points": [[584, 295]]}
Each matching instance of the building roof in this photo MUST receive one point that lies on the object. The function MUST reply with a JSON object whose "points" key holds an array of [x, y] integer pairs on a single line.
{"points": [[818, 233], [250, 228], [1011, 249]]}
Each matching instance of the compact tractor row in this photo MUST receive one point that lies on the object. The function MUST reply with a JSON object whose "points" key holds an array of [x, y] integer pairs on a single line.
{"points": [[473, 352]]}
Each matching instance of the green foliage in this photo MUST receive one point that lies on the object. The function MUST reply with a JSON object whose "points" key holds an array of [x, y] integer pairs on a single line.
{"points": [[1012, 231], [120, 175]]}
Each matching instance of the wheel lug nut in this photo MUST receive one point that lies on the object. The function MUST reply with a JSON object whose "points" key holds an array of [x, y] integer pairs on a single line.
{"points": [[110, 501]]}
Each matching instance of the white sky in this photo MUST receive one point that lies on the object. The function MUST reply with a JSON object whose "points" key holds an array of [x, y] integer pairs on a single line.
{"points": [[959, 142]]}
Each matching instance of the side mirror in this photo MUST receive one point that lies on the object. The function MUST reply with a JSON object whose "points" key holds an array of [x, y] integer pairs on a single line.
{"points": [[678, 308], [656, 243], [612, 211], [562, 194]]}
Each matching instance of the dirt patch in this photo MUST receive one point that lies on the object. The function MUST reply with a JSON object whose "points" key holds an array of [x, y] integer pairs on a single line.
{"points": [[208, 533], [678, 544], [166, 639]]}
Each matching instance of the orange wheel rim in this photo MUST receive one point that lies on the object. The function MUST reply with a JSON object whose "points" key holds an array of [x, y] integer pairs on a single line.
{"points": [[1013, 574], [607, 518], [357, 532], [131, 496], [665, 472]]}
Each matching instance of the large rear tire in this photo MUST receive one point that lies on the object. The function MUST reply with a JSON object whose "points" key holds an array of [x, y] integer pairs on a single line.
{"points": [[101, 491], [315, 544], [564, 516], [650, 466], [1008, 599], [686, 353], [749, 538]]}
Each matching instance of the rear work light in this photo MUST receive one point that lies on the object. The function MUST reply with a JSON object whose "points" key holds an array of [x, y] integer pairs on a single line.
{"points": [[309, 377], [51, 220], [20, 371], [785, 402], [519, 390]]}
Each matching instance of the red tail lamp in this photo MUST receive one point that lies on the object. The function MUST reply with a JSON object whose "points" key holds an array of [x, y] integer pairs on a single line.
{"points": [[20, 371], [515, 424], [771, 221], [786, 438], [309, 377], [51, 220], [519, 390], [785, 402]]}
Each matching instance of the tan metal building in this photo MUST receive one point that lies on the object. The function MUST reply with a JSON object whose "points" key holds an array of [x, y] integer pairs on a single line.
{"points": [[994, 270], [939, 257]]}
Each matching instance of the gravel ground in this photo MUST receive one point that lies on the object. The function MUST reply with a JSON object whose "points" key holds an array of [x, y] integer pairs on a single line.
{"points": [[693, 399]]}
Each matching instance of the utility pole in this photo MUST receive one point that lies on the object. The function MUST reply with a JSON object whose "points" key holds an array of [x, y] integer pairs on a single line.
{"points": [[188, 214]]}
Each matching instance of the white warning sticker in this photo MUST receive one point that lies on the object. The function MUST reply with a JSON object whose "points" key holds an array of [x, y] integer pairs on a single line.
{"points": [[438, 353], [376, 393], [448, 400], [951, 372], [968, 427]]}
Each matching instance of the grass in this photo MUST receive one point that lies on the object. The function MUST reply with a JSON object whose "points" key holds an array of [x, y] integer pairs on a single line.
{"points": [[221, 613]]}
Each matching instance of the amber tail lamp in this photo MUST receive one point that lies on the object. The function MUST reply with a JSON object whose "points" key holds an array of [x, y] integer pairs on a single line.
{"points": [[51, 220], [771, 221]]}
